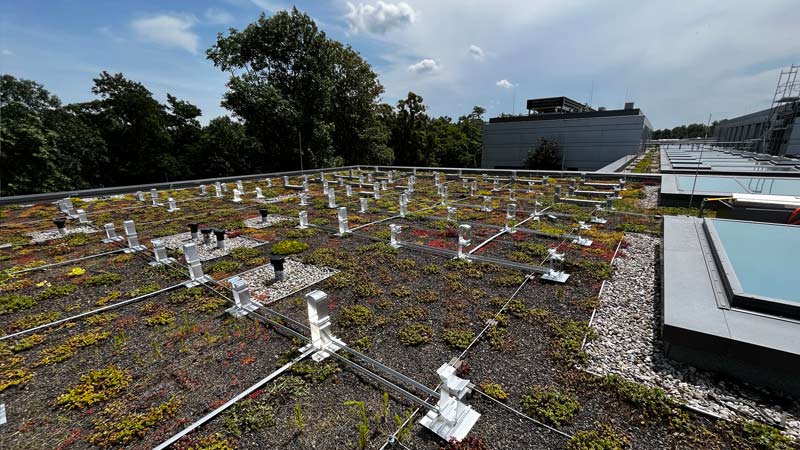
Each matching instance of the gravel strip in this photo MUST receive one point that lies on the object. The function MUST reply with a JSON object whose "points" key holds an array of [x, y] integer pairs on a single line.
{"points": [[271, 219], [650, 199], [49, 235], [278, 199], [205, 252], [626, 322], [297, 276]]}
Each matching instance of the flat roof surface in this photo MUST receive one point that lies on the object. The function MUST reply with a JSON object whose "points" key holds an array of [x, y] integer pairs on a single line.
{"points": [[713, 159], [726, 185], [698, 310]]}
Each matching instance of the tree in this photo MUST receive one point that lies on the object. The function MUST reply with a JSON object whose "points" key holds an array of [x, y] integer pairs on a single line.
{"points": [[472, 127], [546, 156], [409, 131], [45, 147], [225, 149], [289, 82], [134, 126]]}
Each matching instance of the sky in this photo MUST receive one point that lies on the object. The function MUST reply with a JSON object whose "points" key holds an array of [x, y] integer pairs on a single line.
{"points": [[679, 61]]}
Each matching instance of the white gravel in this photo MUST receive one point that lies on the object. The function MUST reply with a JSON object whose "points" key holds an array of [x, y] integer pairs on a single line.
{"points": [[297, 276], [626, 345], [206, 253], [650, 199], [277, 199], [271, 219], [49, 235]]}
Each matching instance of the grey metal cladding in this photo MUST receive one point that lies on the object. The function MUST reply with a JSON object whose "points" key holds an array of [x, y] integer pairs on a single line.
{"points": [[590, 143]]}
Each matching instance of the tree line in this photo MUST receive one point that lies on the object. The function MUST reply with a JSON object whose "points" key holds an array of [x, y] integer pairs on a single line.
{"points": [[289, 86], [694, 130]]}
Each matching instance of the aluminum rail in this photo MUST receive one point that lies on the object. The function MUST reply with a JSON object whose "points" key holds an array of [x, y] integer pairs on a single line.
{"points": [[385, 382], [62, 263], [232, 401], [92, 312]]}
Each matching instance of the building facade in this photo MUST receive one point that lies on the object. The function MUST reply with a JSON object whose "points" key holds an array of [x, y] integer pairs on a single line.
{"points": [[588, 139], [752, 131]]}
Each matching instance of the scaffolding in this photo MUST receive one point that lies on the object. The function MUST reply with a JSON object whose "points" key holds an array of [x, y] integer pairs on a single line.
{"points": [[784, 109]]}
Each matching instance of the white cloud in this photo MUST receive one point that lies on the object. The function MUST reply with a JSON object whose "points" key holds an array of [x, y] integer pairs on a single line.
{"points": [[218, 17], [7, 52], [505, 84], [269, 5], [379, 18], [169, 31], [424, 66], [476, 52]]}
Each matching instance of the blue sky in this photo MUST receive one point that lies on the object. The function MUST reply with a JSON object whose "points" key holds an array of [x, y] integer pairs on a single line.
{"points": [[679, 60]]}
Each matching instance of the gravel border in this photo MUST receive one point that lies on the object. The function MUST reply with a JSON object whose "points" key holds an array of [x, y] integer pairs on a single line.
{"points": [[626, 322], [650, 199], [49, 235], [297, 276], [277, 199], [271, 219], [176, 241]]}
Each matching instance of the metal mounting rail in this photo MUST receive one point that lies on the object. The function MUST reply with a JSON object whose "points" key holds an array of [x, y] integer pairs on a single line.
{"points": [[391, 371], [232, 401], [92, 312], [385, 382], [62, 263]]}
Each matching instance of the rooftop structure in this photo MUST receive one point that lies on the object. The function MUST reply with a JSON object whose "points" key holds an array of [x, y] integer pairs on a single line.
{"points": [[717, 159], [588, 139], [730, 300]]}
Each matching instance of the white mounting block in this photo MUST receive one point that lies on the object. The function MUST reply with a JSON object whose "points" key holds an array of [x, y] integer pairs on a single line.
{"points": [[452, 418]]}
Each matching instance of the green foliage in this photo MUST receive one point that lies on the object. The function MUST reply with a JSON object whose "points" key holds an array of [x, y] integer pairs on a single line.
{"points": [[95, 386], [342, 280], [427, 296], [15, 302], [569, 336], [765, 437], [643, 166], [415, 334], [301, 233], [289, 247], [144, 289], [55, 291], [363, 423], [314, 372], [652, 401], [431, 269], [161, 318], [224, 267], [247, 255], [458, 339], [533, 250], [298, 417], [330, 257], [603, 437], [550, 405], [69, 348], [401, 291], [113, 433], [104, 279], [355, 316], [545, 156], [249, 415], [509, 280], [493, 389], [366, 289], [28, 342]]}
